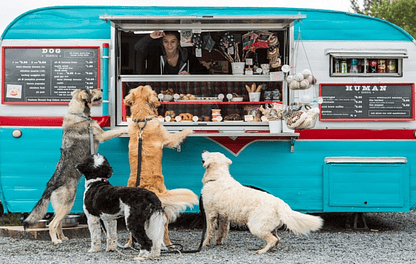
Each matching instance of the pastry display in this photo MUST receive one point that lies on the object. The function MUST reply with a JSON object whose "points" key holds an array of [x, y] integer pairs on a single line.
{"points": [[187, 97], [233, 117], [186, 116], [168, 91], [171, 114]]}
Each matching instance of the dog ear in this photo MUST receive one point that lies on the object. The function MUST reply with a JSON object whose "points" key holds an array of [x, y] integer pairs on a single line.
{"points": [[228, 161], [129, 99], [206, 162], [85, 96], [74, 92], [151, 96]]}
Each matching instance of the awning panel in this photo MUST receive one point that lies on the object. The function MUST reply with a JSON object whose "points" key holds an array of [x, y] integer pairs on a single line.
{"points": [[133, 23]]}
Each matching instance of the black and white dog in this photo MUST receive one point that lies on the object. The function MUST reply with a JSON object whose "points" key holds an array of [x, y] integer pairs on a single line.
{"points": [[142, 209]]}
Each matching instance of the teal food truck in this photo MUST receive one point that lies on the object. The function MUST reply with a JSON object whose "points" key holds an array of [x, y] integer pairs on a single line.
{"points": [[355, 154]]}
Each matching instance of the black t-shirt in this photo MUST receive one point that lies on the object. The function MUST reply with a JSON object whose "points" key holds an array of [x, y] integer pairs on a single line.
{"points": [[171, 70]]}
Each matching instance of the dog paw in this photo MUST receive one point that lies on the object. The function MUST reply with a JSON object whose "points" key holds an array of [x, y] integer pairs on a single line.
{"points": [[93, 250], [128, 244], [114, 248], [57, 241], [187, 131], [261, 251], [144, 254]]}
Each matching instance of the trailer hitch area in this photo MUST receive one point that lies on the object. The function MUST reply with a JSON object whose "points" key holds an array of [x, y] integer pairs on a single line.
{"points": [[362, 218]]}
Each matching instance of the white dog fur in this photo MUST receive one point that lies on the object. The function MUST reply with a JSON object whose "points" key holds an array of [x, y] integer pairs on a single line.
{"points": [[226, 200]]}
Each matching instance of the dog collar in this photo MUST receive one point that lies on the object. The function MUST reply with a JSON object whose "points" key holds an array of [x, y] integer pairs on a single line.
{"points": [[143, 120], [82, 116]]}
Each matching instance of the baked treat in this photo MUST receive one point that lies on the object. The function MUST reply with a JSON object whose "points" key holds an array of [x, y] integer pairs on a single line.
{"points": [[233, 117], [170, 113], [186, 116]]}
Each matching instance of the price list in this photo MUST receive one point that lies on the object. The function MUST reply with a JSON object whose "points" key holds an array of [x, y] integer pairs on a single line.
{"points": [[367, 102], [48, 75]]}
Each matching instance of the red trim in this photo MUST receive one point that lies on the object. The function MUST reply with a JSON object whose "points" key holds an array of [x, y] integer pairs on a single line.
{"points": [[236, 145], [363, 134], [40, 47], [368, 119], [103, 121], [220, 103]]}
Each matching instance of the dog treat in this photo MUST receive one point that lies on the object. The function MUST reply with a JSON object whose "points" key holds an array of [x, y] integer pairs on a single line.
{"points": [[253, 87], [248, 88], [168, 91], [186, 116], [187, 97], [233, 117], [170, 113]]}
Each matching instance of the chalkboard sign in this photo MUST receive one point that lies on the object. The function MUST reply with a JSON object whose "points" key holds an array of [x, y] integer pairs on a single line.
{"points": [[45, 75], [362, 102]]}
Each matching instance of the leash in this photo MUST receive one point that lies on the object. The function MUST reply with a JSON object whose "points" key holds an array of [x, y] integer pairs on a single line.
{"points": [[90, 130], [139, 168], [140, 147]]}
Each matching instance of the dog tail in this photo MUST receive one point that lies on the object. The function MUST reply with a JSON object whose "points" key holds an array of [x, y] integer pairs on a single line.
{"points": [[177, 200], [155, 228], [39, 210], [299, 223]]}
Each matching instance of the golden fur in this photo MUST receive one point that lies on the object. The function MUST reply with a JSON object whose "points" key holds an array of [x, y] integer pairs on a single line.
{"points": [[226, 200], [143, 104]]}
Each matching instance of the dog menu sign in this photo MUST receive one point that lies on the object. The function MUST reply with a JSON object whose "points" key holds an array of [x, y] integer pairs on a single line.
{"points": [[45, 75]]}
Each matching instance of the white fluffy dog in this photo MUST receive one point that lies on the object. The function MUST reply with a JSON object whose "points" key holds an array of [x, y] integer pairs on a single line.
{"points": [[226, 200]]}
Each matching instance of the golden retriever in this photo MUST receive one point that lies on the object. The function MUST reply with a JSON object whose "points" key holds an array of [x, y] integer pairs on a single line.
{"points": [[226, 200], [143, 104]]}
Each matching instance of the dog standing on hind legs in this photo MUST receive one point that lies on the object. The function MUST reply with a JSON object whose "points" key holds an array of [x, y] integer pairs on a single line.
{"points": [[62, 186], [143, 104]]}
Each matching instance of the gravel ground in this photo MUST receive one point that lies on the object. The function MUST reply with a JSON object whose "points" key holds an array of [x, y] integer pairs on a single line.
{"points": [[391, 239]]}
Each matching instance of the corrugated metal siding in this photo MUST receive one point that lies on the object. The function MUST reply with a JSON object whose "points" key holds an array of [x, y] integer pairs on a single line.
{"points": [[84, 23]]}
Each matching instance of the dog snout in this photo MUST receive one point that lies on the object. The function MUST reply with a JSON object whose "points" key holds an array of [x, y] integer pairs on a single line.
{"points": [[97, 99]]}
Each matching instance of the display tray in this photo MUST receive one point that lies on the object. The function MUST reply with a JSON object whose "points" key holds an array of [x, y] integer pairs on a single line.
{"points": [[202, 99]]}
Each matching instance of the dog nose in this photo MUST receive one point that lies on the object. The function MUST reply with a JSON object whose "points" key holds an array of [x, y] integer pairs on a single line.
{"points": [[204, 151]]}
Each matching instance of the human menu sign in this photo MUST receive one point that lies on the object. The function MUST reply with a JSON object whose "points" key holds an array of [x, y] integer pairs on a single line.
{"points": [[48, 74], [362, 102]]}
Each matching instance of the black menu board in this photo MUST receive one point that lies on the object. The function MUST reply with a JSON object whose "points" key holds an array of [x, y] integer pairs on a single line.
{"points": [[48, 74], [356, 102]]}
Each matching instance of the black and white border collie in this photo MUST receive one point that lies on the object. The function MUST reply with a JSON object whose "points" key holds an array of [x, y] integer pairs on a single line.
{"points": [[142, 209]]}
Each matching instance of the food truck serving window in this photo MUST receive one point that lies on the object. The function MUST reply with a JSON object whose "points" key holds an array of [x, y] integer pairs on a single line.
{"points": [[366, 63], [215, 99]]}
